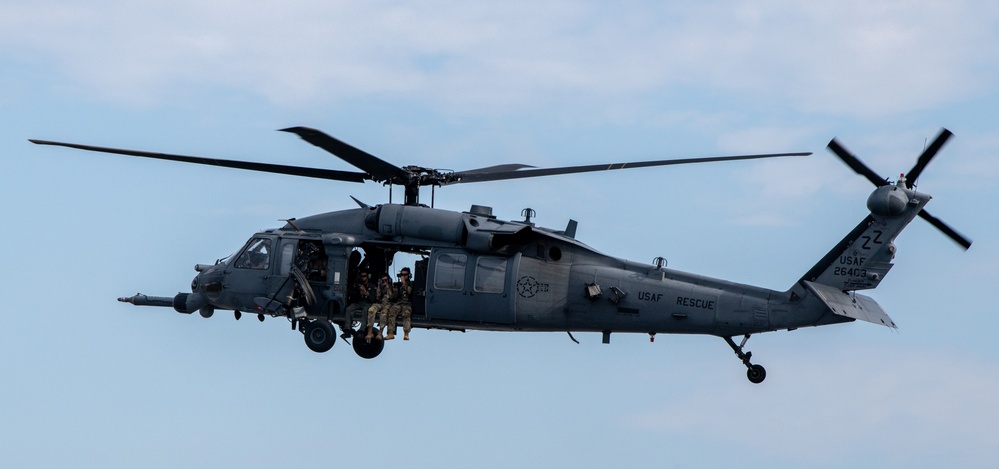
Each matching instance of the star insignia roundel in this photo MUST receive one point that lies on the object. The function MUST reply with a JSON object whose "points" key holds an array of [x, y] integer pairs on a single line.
{"points": [[527, 286]]}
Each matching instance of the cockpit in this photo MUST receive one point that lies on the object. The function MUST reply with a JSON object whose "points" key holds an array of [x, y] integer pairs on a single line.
{"points": [[256, 256]]}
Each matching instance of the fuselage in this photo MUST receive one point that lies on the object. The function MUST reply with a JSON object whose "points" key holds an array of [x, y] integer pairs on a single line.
{"points": [[478, 272]]}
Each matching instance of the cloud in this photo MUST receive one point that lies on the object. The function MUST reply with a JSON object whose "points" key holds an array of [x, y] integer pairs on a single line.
{"points": [[898, 409], [852, 58]]}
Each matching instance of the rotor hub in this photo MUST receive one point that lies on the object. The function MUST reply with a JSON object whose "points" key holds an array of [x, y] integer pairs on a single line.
{"points": [[888, 201]]}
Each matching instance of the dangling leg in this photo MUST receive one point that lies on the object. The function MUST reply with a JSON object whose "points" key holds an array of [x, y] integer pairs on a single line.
{"points": [[407, 314], [393, 314], [372, 310], [382, 320]]}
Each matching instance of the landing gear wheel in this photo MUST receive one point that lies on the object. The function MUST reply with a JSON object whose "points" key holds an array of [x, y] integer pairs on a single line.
{"points": [[319, 335], [756, 374], [364, 349]]}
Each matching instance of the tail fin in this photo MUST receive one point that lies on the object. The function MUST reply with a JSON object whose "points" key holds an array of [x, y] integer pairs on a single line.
{"points": [[862, 259]]}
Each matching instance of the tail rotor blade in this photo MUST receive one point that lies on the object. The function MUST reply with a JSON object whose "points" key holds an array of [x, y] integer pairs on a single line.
{"points": [[928, 154], [854, 163], [954, 235]]}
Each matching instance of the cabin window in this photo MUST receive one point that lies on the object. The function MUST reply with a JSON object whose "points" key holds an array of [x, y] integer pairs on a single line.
{"points": [[287, 255], [449, 273], [257, 255], [490, 274]]}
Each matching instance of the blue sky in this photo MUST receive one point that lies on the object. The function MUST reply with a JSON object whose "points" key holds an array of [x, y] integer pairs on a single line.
{"points": [[91, 382]]}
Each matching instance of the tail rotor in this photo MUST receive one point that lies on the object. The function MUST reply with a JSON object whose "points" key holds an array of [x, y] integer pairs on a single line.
{"points": [[909, 180]]}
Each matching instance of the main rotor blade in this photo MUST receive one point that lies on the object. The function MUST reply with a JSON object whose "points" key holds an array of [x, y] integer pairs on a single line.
{"points": [[497, 168], [479, 176], [855, 163], [954, 235], [924, 159], [378, 169], [262, 167]]}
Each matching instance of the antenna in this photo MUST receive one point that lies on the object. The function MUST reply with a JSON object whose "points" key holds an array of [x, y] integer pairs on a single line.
{"points": [[527, 213]]}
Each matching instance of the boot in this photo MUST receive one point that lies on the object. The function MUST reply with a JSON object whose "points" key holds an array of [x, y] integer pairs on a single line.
{"points": [[380, 336], [405, 336], [390, 336], [370, 335]]}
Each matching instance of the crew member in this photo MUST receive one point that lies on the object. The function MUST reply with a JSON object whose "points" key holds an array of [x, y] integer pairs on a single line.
{"points": [[403, 304], [360, 296], [385, 295]]}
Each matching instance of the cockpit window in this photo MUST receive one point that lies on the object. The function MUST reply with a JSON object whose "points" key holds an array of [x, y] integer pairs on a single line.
{"points": [[256, 256]]}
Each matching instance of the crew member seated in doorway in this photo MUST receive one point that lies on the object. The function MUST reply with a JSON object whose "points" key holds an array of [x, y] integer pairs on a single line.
{"points": [[385, 297], [403, 304], [360, 296]]}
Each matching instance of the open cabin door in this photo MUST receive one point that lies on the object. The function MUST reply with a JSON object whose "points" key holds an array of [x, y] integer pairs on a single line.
{"points": [[300, 274], [470, 287]]}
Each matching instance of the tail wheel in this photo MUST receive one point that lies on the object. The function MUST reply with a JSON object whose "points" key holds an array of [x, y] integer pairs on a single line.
{"points": [[756, 374], [319, 335]]}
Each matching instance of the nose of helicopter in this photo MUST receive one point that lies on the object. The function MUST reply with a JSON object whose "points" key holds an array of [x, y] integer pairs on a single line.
{"points": [[208, 281], [206, 287]]}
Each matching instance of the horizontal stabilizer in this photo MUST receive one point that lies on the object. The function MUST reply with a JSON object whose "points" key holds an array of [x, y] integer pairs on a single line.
{"points": [[853, 306]]}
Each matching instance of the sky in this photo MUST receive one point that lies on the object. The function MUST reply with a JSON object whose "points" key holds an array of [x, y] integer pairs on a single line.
{"points": [[90, 382]]}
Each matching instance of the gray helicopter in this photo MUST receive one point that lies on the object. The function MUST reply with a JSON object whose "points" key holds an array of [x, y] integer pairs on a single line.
{"points": [[477, 272]]}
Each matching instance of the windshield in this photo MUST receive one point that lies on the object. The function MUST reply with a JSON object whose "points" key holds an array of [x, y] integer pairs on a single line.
{"points": [[257, 255]]}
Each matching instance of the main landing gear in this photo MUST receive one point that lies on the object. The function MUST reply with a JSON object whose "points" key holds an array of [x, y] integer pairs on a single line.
{"points": [[320, 337], [367, 349], [755, 373]]}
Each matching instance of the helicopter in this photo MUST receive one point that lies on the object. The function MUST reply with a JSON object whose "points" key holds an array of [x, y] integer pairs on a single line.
{"points": [[478, 272]]}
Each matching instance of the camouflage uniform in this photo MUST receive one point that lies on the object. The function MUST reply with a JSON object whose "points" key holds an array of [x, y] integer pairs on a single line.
{"points": [[385, 295], [403, 304]]}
